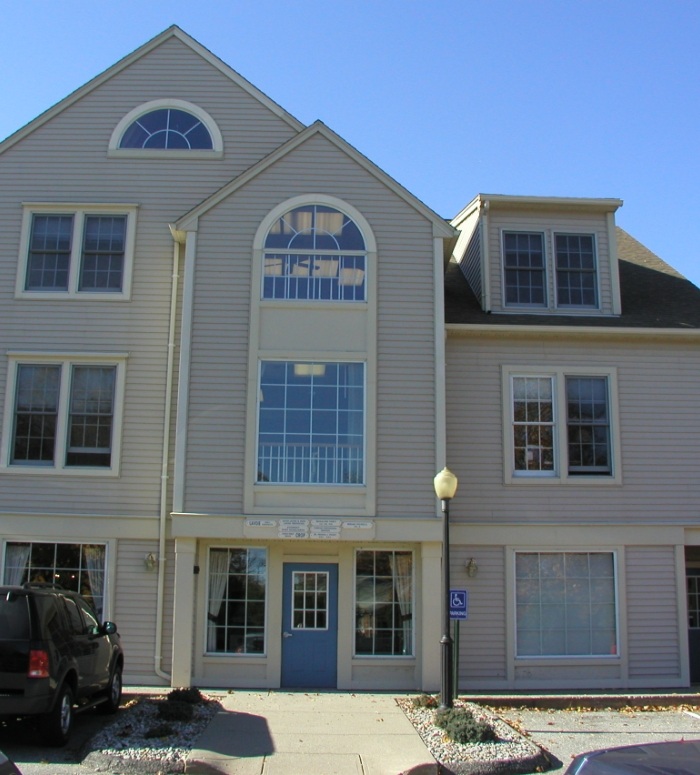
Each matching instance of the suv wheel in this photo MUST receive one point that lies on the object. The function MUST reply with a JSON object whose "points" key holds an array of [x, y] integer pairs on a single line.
{"points": [[113, 693], [57, 724]]}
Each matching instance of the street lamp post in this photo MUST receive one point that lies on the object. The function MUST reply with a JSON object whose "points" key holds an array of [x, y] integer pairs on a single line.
{"points": [[445, 489]]}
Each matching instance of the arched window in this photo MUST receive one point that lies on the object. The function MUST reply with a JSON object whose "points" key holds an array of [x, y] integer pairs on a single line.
{"points": [[167, 128], [314, 252], [166, 125]]}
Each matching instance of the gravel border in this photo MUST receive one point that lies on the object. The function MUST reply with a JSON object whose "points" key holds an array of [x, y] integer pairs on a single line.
{"points": [[512, 753], [123, 747]]}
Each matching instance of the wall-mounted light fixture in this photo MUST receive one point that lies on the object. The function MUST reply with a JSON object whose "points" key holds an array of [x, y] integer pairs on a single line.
{"points": [[150, 561], [472, 568]]}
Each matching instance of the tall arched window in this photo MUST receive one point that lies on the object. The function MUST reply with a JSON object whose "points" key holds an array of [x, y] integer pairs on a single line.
{"points": [[314, 252]]}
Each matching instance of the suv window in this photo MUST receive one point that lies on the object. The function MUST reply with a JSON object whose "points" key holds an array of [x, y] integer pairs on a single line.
{"points": [[88, 615], [14, 616], [76, 622]]}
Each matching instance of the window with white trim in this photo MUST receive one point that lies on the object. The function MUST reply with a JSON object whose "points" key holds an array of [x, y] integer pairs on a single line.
{"points": [[236, 600], [528, 275], [524, 269], [577, 283], [565, 604], [311, 423], [77, 567], [561, 424], [65, 414], [76, 251], [167, 128], [383, 603], [314, 253]]}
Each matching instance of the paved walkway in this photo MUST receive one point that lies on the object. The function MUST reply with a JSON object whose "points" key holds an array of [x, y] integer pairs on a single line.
{"points": [[300, 733]]}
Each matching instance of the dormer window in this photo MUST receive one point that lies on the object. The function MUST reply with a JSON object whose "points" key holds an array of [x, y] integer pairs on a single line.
{"points": [[170, 128], [527, 271]]}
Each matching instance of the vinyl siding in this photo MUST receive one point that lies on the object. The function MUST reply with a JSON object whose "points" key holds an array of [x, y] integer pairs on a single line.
{"points": [[404, 340], [658, 430], [652, 612], [482, 638], [65, 160]]}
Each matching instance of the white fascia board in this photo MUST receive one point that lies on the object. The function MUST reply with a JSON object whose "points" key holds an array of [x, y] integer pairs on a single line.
{"points": [[94, 83], [441, 228], [468, 329]]}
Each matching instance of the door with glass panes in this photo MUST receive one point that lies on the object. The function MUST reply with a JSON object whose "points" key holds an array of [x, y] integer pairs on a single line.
{"points": [[310, 625]]}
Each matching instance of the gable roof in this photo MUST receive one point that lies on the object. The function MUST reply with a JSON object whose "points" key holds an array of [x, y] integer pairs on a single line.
{"points": [[654, 296], [172, 32], [440, 227]]}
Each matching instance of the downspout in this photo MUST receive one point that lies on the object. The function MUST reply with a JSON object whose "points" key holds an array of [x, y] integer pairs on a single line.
{"points": [[178, 239]]}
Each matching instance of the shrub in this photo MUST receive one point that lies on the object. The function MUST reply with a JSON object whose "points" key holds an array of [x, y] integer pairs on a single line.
{"points": [[176, 710], [461, 726], [192, 695], [425, 701], [160, 730]]}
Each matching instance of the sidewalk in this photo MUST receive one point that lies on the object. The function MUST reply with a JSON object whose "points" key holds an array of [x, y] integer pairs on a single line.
{"points": [[298, 733]]}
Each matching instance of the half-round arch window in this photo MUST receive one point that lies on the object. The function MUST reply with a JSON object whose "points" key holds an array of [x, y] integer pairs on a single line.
{"points": [[166, 125], [167, 128], [314, 252]]}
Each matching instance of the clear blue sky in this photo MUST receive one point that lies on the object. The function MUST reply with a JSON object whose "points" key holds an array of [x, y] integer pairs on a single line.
{"points": [[592, 98]]}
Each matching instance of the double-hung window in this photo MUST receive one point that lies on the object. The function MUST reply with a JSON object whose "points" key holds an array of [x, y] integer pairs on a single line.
{"points": [[76, 252], [561, 424], [565, 604], [524, 269], [576, 270], [311, 423], [65, 413], [528, 275]]}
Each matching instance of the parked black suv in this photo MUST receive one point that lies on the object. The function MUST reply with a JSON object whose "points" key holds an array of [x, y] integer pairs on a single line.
{"points": [[56, 658]]}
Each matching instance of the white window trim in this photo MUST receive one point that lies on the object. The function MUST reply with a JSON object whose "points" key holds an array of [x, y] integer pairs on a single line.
{"points": [[66, 361], [575, 307], [558, 659], [551, 305], [560, 474], [216, 152], [78, 212]]}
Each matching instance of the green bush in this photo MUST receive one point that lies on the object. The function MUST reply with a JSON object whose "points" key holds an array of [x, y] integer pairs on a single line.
{"points": [[192, 695], [176, 710], [425, 701], [160, 730], [461, 726]]}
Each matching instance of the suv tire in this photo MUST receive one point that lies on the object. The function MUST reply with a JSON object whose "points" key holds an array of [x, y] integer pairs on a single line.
{"points": [[57, 724], [113, 693]]}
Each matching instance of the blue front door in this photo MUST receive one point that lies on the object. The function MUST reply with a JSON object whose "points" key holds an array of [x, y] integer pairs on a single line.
{"points": [[310, 626]]}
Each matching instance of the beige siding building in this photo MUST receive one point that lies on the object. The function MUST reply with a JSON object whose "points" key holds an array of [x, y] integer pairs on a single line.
{"points": [[235, 353]]}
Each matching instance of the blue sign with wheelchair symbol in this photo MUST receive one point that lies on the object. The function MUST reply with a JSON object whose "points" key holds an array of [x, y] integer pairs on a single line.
{"points": [[459, 604]]}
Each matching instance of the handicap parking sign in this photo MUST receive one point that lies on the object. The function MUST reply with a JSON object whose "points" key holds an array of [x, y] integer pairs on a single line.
{"points": [[459, 604]]}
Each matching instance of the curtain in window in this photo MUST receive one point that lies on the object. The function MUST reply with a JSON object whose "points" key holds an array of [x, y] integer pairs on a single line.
{"points": [[16, 559], [401, 572], [218, 578], [95, 563]]}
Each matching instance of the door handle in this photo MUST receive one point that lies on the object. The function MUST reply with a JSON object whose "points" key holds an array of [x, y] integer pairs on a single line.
{"points": [[286, 634]]}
